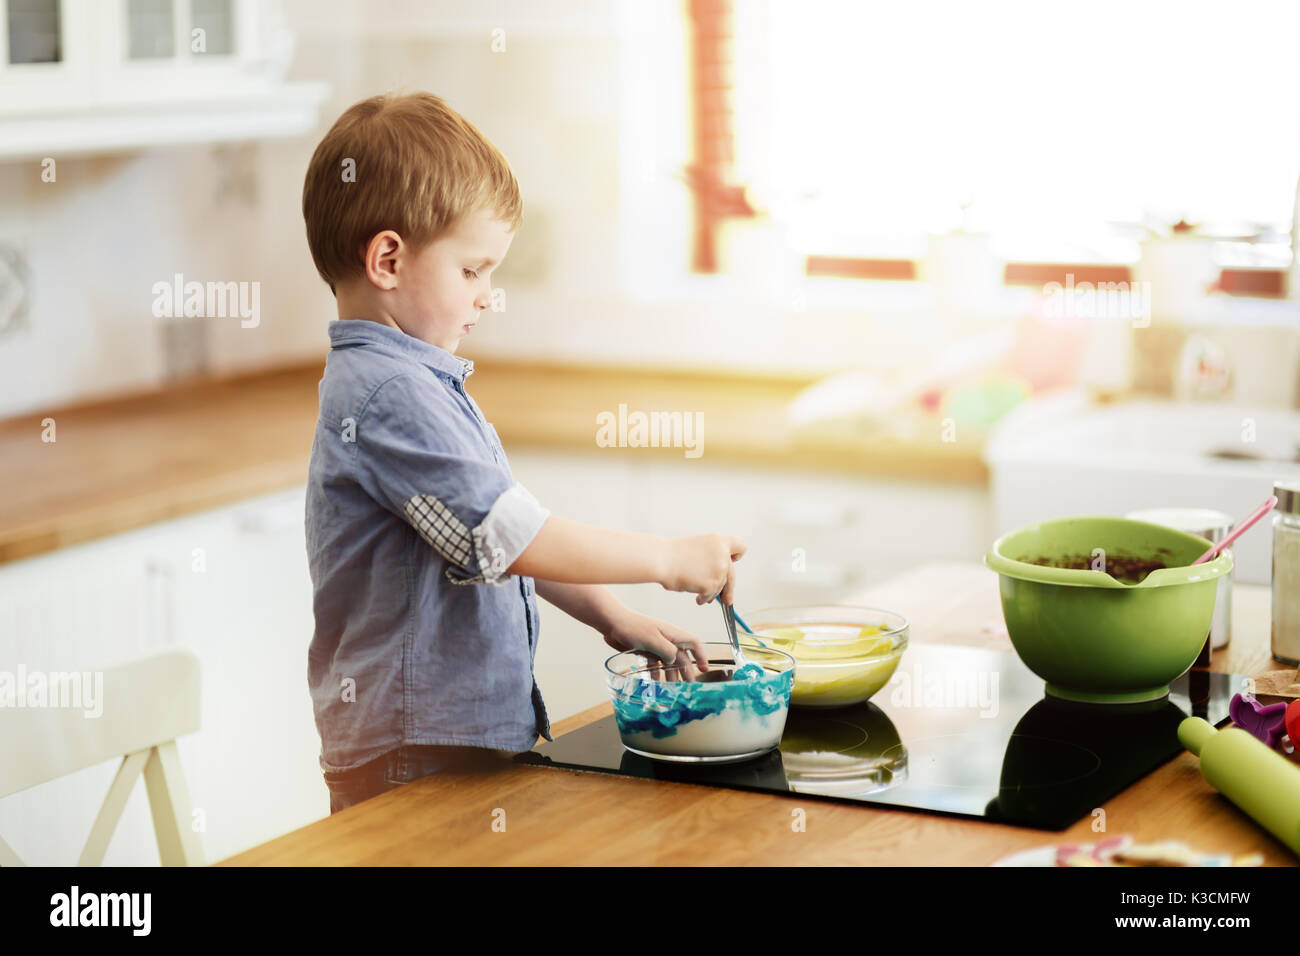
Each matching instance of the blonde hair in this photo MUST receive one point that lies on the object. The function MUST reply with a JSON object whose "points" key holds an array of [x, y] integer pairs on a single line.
{"points": [[417, 166]]}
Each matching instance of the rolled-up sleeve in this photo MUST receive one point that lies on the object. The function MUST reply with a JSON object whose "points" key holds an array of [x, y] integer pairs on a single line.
{"points": [[421, 461]]}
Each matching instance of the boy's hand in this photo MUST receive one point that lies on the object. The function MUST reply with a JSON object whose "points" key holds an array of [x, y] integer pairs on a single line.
{"points": [[631, 631], [703, 565]]}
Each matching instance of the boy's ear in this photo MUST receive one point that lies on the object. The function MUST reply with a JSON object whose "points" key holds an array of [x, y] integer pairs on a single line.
{"points": [[384, 247]]}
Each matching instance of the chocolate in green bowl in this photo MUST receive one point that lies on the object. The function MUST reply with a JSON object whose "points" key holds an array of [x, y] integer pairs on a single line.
{"points": [[1097, 637]]}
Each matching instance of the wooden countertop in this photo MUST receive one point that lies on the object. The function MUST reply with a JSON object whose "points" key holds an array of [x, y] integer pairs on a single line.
{"points": [[130, 461], [556, 816]]}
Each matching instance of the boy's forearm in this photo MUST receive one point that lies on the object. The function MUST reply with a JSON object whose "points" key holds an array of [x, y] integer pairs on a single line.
{"points": [[592, 604], [573, 553]]}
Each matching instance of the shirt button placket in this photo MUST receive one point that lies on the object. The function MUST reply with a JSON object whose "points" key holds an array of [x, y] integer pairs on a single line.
{"points": [[496, 455]]}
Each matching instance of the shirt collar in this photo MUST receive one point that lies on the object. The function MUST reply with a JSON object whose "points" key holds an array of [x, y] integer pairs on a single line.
{"points": [[366, 332]]}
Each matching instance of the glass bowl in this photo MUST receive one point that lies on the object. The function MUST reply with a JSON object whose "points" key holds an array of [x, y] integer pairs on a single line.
{"points": [[843, 654], [716, 720]]}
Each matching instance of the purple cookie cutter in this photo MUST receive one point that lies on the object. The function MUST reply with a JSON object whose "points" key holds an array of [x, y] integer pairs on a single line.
{"points": [[1268, 723]]}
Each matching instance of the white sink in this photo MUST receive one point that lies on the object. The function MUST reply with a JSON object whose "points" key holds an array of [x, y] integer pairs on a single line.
{"points": [[1058, 456]]}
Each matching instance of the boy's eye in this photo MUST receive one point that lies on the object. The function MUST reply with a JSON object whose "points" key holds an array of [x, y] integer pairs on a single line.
{"points": [[471, 274]]}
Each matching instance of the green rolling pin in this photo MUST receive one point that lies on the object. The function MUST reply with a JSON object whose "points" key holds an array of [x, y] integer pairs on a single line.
{"points": [[1260, 781]]}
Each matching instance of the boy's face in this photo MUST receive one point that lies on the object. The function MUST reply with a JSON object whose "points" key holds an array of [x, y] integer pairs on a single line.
{"points": [[442, 288]]}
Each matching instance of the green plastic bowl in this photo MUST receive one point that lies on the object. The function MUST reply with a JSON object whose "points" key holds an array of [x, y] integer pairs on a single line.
{"points": [[1095, 638]]}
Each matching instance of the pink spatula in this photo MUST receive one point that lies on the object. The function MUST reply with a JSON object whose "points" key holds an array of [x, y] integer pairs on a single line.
{"points": [[1242, 528]]}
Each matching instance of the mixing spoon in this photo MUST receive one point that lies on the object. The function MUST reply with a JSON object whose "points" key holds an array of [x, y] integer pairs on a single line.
{"points": [[739, 620], [731, 635], [729, 616], [1255, 515]]}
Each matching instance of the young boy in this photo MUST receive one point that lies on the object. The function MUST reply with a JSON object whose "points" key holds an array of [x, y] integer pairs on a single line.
{"points": [[425, 554]]}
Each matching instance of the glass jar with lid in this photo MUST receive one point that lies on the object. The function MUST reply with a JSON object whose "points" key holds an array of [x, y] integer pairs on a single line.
{"points": [[1286, 573]]}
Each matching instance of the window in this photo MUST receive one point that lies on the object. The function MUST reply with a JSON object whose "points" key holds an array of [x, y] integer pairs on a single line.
{"points": [[34, 35], [150, 29], [215, 20], [710, 174], [1057, 128], [208, 30]]}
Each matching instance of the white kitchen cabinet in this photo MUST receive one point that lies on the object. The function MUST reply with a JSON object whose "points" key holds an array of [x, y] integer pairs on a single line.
{"points": [[73, 610], [244, 600], [232, 586], [90, 76]]}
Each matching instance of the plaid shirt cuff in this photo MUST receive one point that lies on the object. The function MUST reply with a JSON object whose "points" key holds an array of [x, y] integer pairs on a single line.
{"points": [[509, 527]]}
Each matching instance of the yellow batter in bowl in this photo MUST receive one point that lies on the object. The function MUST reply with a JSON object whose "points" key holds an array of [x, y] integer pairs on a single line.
{"points": [[838, 661]]}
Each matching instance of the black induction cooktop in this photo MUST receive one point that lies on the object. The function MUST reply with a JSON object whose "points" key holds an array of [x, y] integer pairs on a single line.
{"points": [[957, 731]]}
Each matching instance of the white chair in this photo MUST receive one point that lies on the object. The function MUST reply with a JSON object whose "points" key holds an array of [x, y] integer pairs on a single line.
{"points": [[148, 702]]}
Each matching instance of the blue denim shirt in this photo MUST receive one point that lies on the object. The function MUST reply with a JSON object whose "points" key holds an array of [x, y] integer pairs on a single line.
{"points": [[412, 518]]}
